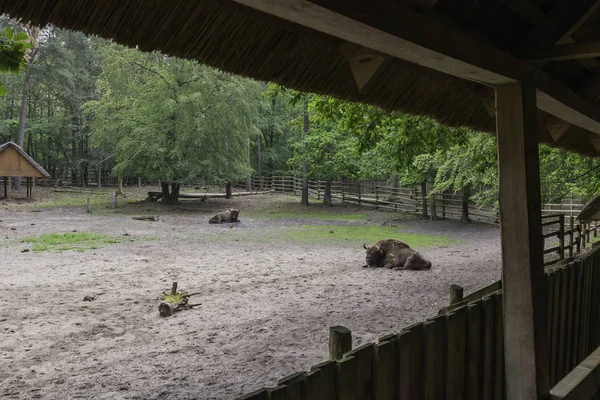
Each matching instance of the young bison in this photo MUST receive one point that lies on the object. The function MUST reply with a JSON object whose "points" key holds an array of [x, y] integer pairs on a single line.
{"points": [[230, 215], [395, 254]]}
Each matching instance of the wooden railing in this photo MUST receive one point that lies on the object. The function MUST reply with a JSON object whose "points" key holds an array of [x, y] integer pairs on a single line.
{"points": [[458, 354], [583, 383]]}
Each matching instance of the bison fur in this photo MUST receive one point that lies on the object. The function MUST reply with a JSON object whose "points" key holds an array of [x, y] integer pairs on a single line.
{"points": [[230, 215], [395, 254]]}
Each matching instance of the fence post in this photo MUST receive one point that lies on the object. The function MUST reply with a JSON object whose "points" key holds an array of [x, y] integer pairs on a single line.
{"points": [[595, 228], [578, 238], [359, 194], [561, 236], [572, 226], [376, 196], [456, 294], [587, 232], [343, 195], [340, 342]]}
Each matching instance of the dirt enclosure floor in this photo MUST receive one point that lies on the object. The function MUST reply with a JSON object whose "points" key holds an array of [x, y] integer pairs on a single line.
{"points": [[271, 286]]}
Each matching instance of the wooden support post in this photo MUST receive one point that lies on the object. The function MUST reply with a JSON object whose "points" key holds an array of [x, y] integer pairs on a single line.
{"points": [[524, 286], [113, 202], [571, 227], [588, 230], [582, 234], [5, 187], [89, 208], [561, 236], [9, 185], [578, 239], [340, 342], [595, 228], [32, 187], [456, 294], [376, 196], [359, 192]]}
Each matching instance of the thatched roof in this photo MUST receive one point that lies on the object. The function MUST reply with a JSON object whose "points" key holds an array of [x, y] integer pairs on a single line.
{"points": [[244, 41], [13, 170], [591, 210]]}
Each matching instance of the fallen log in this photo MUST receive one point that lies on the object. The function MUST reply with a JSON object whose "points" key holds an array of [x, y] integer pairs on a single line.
{"points": [[173, 302], [150, 218], [155, 196]]}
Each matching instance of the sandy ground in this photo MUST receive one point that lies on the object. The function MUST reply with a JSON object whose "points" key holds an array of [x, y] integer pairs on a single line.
{"points": [[265, 308]]}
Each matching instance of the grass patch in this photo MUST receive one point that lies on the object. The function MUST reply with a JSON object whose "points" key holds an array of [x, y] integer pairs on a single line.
{"points": [[307, 215], [77, 241], [350, 235]]}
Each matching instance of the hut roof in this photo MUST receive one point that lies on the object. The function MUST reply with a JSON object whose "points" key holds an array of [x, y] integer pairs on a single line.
{"points": [[254, 38], [591, 210], [12, 166]]}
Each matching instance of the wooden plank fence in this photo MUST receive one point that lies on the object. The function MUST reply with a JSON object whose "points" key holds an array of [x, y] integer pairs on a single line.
{"points": [[458, 354], [379, 195]]}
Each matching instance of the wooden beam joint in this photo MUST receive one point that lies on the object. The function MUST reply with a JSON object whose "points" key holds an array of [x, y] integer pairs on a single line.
{"points": [[365, 64]]}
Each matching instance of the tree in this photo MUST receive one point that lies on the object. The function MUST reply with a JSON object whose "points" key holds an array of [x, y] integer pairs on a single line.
{"points": [[172, 120], [467, 165]]}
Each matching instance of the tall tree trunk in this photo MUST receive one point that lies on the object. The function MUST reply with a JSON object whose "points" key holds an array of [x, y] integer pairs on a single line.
{"points": [[327, 195], [249, 177], [171, 196], [22, 119], [424, 194], [304, 199], [74, 146], [465, 205], [259, 159], [99, 174], [228, 190]]}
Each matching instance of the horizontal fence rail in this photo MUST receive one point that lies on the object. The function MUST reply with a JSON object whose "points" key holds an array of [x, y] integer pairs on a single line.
{"points": [[458, 354]]}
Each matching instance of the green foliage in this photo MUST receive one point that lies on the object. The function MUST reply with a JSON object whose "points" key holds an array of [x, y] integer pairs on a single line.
{"points": [[173, 120], [13, 48], [472, 164]]}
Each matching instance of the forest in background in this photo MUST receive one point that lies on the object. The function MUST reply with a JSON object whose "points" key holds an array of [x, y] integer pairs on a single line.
{"points": [[90, 111]]}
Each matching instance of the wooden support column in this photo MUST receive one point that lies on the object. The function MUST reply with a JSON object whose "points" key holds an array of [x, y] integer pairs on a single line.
{"points": [[525, 314]]}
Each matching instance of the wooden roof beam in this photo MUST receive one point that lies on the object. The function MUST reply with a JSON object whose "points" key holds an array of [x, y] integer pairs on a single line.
{"points": [[571, 51], [553, 27], [399, 32], [531, 13]]}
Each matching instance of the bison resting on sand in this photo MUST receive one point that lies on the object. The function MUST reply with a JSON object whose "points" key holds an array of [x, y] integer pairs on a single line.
{"points": [[395, 254], [230, 215]]}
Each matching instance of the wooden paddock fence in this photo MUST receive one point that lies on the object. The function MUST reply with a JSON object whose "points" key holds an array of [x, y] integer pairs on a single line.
{"points": [[379, 195], [459, 354], [564, 236]]}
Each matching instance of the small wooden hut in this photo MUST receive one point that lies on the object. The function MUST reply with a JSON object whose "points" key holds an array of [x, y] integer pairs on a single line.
{"points": [[15, 162]]}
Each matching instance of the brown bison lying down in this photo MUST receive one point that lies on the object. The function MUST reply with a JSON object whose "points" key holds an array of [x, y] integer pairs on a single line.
{"points": [[225, 216], [395, 254]]}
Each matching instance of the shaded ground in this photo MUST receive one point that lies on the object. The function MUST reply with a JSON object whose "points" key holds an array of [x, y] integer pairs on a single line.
{"points": [[271, 288]]}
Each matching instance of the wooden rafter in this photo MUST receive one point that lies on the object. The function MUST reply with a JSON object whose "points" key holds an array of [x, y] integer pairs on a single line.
{"points": [[396, 31], [553, 27], [571, 51], [531, 13]]}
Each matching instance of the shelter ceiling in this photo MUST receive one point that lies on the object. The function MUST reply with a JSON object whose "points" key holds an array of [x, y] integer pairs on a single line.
{"points": [[244, 41]]}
